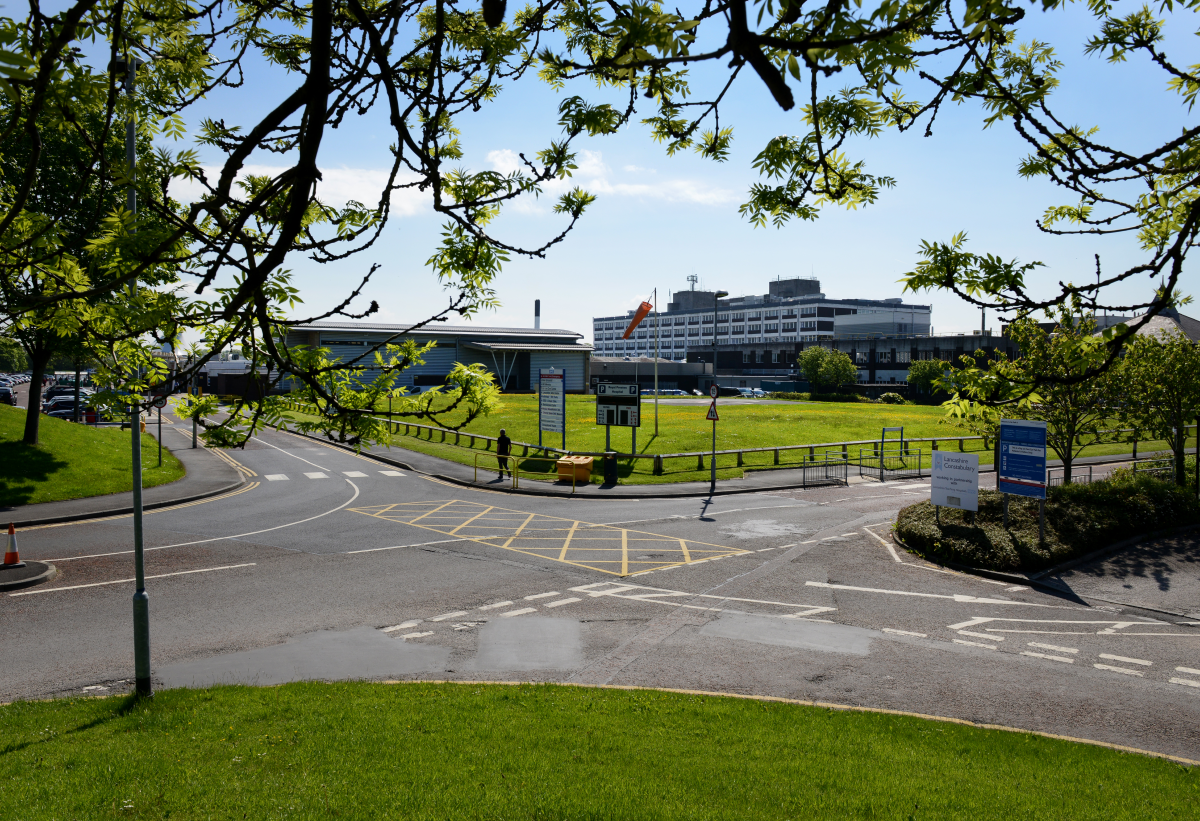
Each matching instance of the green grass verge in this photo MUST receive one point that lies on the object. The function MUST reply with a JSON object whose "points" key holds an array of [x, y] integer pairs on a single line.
{"points": [[682, 429], [438, 751], [73, 461], [1079, 520]]}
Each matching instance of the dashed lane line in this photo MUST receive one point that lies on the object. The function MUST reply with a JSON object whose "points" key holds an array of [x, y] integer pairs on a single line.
{"points": [[542, 596], [1126, 660], [980, 635], [561, 602], [520, 612], [39, 591], [1048, 656], [317, 475], [1053, 647], [496, 606], [974, 644], [1185, 682], [276, 477], [453, 615], [1110, 668], [895, 632], [408, 625], [957, 597], [417, 635], [1188, 670]]}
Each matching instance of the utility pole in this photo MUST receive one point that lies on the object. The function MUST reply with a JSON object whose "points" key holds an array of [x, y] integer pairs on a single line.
{"points": [[141, 599], [656, 362], [716, 304]]}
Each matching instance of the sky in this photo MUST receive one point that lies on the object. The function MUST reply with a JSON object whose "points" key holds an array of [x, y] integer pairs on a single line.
{"points": [[659, 219]]}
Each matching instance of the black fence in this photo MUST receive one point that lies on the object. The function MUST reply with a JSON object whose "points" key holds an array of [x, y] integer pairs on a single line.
{"points": [[1080, 475], [815, 472], [902, 463]]}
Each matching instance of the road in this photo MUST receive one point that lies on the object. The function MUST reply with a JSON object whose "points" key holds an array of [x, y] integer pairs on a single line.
{"points": [[331, 565]]}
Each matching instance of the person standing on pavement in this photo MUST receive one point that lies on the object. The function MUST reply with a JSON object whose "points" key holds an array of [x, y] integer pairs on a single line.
{"points": [[503, 449]]}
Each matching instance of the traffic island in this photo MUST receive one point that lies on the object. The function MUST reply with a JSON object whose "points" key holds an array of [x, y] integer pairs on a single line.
{"points": [[26, 574], [1079, 519]]}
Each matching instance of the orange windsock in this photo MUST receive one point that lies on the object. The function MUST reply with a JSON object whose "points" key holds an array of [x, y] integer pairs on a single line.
{"points": [[643, 309], [10, 555]]}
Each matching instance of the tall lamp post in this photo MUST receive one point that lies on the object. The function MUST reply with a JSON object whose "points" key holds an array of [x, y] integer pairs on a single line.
{"points": [[141, 599], [712, 463]]}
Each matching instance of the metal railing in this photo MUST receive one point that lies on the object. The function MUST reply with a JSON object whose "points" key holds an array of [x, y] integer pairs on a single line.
{"points": [[1057, 476], [891, 464], [1158, 468]]}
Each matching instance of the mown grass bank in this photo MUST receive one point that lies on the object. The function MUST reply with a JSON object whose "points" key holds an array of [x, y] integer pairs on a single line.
{"points": [[683, 429], [437, 751], [73, 461], [1080, 519]]}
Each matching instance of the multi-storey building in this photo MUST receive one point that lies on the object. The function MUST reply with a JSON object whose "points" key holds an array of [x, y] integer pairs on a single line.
{"points": [[765, 327]]}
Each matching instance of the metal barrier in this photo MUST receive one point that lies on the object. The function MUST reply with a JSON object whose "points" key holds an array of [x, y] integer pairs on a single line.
{"points": [[1077, 477], [906, 463], [1158, 468], [815, 472]]}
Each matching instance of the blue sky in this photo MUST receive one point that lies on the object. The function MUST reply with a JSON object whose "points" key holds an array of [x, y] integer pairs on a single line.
{"points": [[659, 219]]}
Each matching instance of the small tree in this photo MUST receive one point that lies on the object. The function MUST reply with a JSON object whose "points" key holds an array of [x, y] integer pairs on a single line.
{"points": [[1162, 383], [826, 370], [12, 355], [924, 372]]}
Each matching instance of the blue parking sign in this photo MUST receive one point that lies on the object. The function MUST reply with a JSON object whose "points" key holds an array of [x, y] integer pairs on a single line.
{"points": [[1022, 468]]}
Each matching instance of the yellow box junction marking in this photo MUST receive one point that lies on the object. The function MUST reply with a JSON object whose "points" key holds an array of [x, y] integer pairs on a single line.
{"points": [[609, 549]]}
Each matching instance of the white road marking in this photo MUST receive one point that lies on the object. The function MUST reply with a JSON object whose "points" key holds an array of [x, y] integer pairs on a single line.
{"points": [[764, 550], [978, 620], [855, 533], [974, 644], [810, 541], [220, 538], [357, 474], [520, 612], [1046, 656], [1016, 587], [1053, 647], [886, 544], [1137, 673], [453, 615], [657, 595], [130, 581], [1187, 670], [391, 473], [467, 625], [316, 475], [408, 625], [289, 453], [417, 635], [276, 477], [561, 602], [1185, 682], [400, 546], [958, 597], [496, 605], [905, 633], [1143, 662], [541, 596], [980, 635]]}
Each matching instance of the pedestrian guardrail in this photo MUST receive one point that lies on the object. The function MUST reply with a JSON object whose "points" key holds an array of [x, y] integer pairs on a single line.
{"points": [[903, 463], [1057, 476], [1158, 468]]}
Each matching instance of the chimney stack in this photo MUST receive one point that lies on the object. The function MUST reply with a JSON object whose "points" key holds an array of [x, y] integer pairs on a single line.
{"points": [[537, 314]]}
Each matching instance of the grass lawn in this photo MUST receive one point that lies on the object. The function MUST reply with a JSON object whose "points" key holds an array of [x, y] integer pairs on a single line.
{"points": [[72, 461], [683, 428], [439, 751]]}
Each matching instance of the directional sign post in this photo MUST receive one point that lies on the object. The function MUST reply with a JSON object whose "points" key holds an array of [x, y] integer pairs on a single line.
{"points": [[620, 405], [1022, 468], [712, 463]]}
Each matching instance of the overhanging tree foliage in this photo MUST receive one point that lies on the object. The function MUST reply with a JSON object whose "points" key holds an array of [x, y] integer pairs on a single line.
{"points": [[851, 70]]}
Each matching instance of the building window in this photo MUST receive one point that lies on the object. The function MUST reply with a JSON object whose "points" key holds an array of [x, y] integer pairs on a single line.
{"points": [[862, 358], [738, 330], [738, 317], [707, 332], [746, 358], [903, 357], [722, 332], [771, 314], [809, 311], [771, 328], [789, 326], [693, 320], [883, 357], [755, 329], [790, 313], [753, 316]]}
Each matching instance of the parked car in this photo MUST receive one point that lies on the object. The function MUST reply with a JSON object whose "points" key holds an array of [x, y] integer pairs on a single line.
{"points": [[759, 393], [728, 391], [746, 393], [59, 402], [7, 396]]}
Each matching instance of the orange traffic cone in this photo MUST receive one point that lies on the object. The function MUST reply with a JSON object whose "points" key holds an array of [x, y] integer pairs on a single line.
{"points": [[11, 558]]}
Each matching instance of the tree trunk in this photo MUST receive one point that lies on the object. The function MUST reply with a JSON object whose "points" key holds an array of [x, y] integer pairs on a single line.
{"points": [[39, 356]]}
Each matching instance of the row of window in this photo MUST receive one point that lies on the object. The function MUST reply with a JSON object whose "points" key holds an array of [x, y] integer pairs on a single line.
{"points": [[707, 319]]}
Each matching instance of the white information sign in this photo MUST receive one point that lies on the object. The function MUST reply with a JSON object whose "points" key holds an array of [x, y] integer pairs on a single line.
{"points": [[955, 480], [552, 399]]}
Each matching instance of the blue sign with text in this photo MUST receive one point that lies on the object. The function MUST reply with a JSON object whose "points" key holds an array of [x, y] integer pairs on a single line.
{"points": [[1022, 468]]}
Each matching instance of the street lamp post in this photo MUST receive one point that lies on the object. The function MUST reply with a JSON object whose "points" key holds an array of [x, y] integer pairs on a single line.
{"points": [[712, 463], [141, 599]]}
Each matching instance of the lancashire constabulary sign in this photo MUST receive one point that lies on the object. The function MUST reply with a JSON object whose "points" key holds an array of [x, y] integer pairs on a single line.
{"points": [[618, 405], [955, 481], [1022, 469]]}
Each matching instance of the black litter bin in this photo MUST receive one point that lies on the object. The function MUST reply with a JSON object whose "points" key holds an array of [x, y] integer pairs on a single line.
{"points": [[610, 468]]}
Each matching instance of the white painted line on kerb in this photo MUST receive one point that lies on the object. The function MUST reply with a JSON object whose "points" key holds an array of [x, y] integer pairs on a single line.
{"points": [[904, 633], [391, 473], [408, 625], [886, 544], [981, 635], [561, 602], [541, 596], [356, 474], [1187, 670], [1137, 673], [316, 475], [1053, 647], [417, 635], [496, 605], [276, 477], [453, 615], [1046, 656], [130, 581], [975, 644], [1185, 682], [1142, 662], [520, 612]]}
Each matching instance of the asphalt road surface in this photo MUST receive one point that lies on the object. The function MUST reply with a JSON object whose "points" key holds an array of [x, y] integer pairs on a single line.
{"points": [[331, 565]]}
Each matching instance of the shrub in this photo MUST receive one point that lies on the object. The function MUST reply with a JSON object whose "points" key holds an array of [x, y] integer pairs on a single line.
{"points": [[1079, 520], [892, 399]]}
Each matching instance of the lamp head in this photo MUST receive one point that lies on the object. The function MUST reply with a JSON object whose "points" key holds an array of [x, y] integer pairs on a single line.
{"points": [[720, 294]]}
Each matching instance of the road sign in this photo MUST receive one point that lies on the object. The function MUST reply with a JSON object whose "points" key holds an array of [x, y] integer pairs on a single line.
{"points": [[712, 413], [955, 480], [1022, 469], [618, 405], [552, 409], [714, 391], [160, 402]]}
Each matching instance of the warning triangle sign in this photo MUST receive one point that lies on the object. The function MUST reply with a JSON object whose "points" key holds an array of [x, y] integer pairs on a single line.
{"points": [[712, 413]]}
